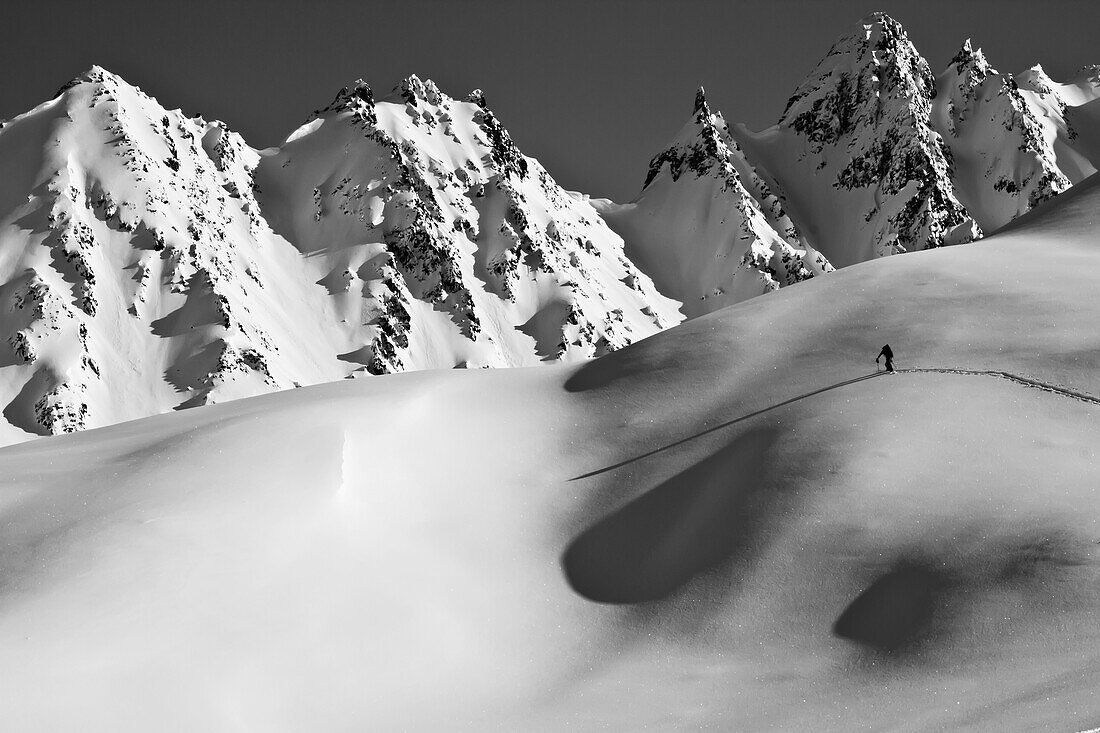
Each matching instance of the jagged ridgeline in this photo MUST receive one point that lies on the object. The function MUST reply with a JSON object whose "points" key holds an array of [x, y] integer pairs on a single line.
{"points": [[155, 261], [878, 156], [1004, 164], [435, 230], [707, 226], [873, 156]]}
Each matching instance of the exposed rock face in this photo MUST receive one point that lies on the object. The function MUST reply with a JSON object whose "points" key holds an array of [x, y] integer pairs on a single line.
{"points": [[137, 276], [141, 272], [862, 119], [1003, 163], [707, 226], [872, 156], [435, 230], [153, 261], [1069, 117]]}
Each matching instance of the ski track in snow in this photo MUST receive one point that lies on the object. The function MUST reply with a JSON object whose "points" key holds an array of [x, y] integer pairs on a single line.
{"points": [[1023, 381]]}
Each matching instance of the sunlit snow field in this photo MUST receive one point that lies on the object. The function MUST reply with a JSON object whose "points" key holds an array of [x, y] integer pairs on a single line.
{"points": [[722, 525]]}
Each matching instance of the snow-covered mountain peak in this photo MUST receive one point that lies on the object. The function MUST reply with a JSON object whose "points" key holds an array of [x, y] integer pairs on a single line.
{"points": [[874, 63], [965, 74], [880, 32], [1002, 162], [877, 20], [476, 96], [874, 155], [155, 261], [444, 244], [1089, 74], [95, 74], [707, 226], [700, 147], [860, 123], [356, 98], [142, 274], [971, 61], [702, 109], [412, 90], [1036, 79]]}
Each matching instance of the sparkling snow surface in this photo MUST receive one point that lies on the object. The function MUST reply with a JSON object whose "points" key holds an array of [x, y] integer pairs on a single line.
{"points": [[735, 523]]}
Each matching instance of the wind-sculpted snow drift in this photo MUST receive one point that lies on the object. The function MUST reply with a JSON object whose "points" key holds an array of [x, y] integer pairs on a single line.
{"points": [[735, 524], [155, 261]]}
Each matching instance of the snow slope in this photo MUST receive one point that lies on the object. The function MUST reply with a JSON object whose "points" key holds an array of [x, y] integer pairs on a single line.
{"points": [[1069, 116], [735, 523], [137, 273], [446, 244], [857, 154], [873, 156], [1003, 164], [152, 261], [707, 227]]}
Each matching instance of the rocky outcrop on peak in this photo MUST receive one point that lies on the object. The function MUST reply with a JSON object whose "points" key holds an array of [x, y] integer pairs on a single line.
{"points": [[707, 226], [1068, 116], [1002, 163], [154, 261], [860, 123], [356, 99], [138, 279], [444, 245], [143, 272], [872, 156]]}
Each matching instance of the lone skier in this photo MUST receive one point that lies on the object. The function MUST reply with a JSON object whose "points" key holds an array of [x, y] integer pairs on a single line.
{"points": [[886, 352]]}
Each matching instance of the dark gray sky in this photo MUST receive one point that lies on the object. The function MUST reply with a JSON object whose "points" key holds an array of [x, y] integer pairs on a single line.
{"points": [[591, 88]]}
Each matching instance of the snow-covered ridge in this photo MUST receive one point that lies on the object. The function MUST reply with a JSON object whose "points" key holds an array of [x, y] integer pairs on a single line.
{"points": [[856, 140], [139, 274], [707, 226], [151, 261], [444, 244], [873, 155], [1003, 164], [154, 261]]}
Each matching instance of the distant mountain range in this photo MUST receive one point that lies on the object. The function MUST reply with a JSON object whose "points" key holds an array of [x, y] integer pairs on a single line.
{"points": [[874, 155], [152, 261]]}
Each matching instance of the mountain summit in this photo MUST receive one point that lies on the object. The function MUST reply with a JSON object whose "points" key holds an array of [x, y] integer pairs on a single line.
{"points": [[443, 245], [1003, 165], [156, 261], [859, 127], [873, 155], [707, 226]]}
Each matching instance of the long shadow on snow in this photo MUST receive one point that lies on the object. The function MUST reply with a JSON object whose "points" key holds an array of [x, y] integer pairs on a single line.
{"points": [[711, 514], [726, 424]]}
